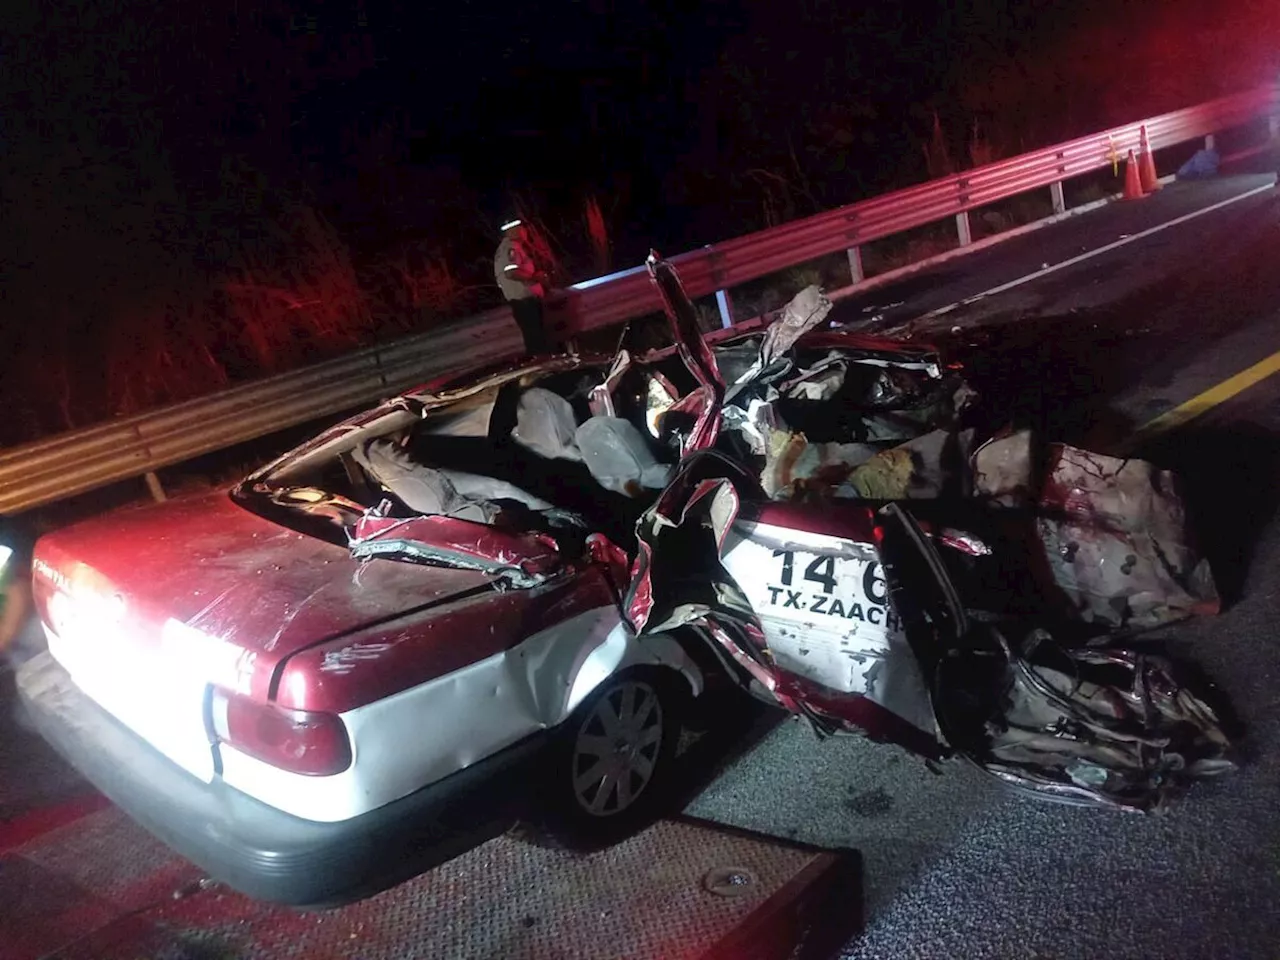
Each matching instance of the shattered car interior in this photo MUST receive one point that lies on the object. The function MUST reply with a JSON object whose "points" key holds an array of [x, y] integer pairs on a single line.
{"points": [[837, 518]]}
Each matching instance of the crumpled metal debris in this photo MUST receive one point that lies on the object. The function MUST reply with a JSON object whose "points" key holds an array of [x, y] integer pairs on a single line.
{"points": [[887, 441], [1108, 727], [1115, 537], [803, 312], [517, 558], [687, 543]]}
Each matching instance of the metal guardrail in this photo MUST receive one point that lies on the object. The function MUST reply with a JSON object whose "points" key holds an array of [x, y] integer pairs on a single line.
{"points": [[62, 466], [717, 268], [65, 465]]}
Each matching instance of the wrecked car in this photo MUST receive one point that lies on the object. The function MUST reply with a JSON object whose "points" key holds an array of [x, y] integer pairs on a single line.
{"points": [[333, 674], [880, 555], [1007, 570]]}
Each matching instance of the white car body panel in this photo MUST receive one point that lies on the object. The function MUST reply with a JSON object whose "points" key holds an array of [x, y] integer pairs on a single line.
{"points": [[840, 629], [421, 735], [159, 701]]}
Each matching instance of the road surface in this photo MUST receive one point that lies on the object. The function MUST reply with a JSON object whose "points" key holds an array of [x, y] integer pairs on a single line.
{"points": [[955, 865]]}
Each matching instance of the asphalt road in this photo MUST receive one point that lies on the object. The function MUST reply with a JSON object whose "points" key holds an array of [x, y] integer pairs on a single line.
{"points": [[955, 865]]}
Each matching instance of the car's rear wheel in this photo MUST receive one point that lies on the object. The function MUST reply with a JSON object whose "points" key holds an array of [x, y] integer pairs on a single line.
{"points": [[613, 763]]}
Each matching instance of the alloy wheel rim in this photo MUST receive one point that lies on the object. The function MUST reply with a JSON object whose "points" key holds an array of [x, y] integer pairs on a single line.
{"points": [[616, 749]]}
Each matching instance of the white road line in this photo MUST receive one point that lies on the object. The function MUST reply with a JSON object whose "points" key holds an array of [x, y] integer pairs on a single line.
{"points": [[1044, 271]]}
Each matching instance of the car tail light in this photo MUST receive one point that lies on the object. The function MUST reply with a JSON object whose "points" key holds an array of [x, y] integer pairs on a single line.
{"points": [[300, 741]]}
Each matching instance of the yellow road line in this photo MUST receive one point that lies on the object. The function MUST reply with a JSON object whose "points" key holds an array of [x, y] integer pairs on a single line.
{"points": [[1204, 402]]}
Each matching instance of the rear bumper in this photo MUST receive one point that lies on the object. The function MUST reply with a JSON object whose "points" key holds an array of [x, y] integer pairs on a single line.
{"points": [[259, 850]]}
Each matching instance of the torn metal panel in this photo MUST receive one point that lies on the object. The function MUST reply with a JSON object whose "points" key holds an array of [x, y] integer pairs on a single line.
{"points": [[693, 420], [676, 586], [805, 311], [1101, 727], [1115, 539], [696, 416], [820, 381], [826, 615], [611, 558], [804, 615], [517, 558], [601, 396], [694, 350]]}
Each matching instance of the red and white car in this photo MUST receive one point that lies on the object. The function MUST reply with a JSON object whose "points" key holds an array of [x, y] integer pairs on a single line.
{"points": [[341, 671], [512, 582]]}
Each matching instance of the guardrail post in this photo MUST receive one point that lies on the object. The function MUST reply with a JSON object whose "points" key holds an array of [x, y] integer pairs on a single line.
{"points": [[1210, 142], [726, 308], [1275, 126], [855, 265], [962, 228], [1055, 189], [153, 485]]}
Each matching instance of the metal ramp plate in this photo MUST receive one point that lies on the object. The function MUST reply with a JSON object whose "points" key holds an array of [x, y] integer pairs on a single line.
{"points": [[102, 888]]}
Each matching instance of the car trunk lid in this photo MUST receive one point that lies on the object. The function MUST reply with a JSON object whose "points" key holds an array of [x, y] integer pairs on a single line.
{"points": [[149, 607]]}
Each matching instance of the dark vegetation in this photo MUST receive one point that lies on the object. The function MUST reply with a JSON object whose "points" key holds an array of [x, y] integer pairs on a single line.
{"points": [[196, 194]]}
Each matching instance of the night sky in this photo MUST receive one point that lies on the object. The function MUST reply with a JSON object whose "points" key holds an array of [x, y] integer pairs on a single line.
{"points": [[650, 105], [659, 108], [646, 103]]}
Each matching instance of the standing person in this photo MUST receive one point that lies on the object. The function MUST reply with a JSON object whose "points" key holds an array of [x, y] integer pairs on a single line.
{"points": [[523, 284], [20, 635]]}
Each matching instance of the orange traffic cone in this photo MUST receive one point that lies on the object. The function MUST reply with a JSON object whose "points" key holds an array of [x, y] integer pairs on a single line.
{"points": [[1147, 166], [1132, 181]]}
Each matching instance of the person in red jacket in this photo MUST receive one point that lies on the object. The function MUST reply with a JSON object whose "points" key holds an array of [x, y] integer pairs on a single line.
{"points": [[524, 285]]}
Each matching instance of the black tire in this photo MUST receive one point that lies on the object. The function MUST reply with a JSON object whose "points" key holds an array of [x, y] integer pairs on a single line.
{"points": [[632, 785]]}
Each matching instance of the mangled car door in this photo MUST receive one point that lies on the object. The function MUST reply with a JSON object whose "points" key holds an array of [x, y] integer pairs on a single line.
{"points": [[1113, 727], [796, 612]]}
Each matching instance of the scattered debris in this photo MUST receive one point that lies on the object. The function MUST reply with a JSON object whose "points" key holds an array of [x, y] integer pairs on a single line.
{"points": [[1111, 727], [1114, 534]]}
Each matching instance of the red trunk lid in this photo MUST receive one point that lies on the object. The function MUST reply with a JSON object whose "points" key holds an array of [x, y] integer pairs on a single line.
{"points": [[207, 572]]}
